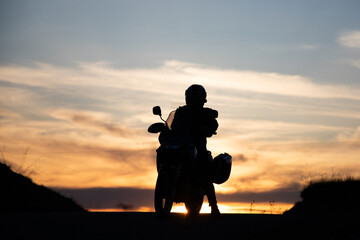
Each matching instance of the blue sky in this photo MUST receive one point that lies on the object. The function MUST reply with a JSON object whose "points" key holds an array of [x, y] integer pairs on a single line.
{"points": [[291, 37], [78, 80]]}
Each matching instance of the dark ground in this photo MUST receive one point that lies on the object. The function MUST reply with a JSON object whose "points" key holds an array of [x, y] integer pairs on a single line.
{"points": [[128, 225], [19, 194]]}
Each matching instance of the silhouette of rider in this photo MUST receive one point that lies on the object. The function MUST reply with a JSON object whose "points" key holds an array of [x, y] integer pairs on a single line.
{"points": [[197, 123]]}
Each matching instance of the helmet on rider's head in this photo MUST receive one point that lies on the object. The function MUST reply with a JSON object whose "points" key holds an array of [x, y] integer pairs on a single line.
{"points": [[195, 96]]}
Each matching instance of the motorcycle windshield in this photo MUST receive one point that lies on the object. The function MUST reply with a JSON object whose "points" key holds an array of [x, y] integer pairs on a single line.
{"points": [[171, 138], [170, 119]]}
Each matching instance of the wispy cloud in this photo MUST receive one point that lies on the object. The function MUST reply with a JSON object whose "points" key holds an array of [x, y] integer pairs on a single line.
{"points": [[356, 63], [350, 136], [176, 74], [350, 39], [95, 120]]}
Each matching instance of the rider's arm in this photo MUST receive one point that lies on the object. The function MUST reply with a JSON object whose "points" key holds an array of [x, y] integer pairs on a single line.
{"points": [[210, 124]]}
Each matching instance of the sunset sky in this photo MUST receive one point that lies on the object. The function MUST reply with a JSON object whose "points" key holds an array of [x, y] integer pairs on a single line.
{"points": [[78, 80]]}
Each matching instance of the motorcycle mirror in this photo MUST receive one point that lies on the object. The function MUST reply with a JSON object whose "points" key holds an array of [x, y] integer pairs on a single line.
{"points": [[156, 127], [157, 110]]}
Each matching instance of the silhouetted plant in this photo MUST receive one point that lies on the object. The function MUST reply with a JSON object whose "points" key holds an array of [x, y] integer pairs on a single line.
{"points": [[272, 203], [23, 166], [2, 160], [252, 206]]}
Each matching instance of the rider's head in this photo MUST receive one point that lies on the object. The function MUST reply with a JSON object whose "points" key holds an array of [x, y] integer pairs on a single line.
{"points": [[195, 96]]}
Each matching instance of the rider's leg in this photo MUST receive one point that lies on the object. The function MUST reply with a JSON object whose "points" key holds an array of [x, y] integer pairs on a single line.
{"points": [[210, 193], [205, 158]]}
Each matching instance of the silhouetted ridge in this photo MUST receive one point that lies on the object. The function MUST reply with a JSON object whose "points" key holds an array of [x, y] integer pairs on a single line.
{"points": [[332, 197], [20, 194]]}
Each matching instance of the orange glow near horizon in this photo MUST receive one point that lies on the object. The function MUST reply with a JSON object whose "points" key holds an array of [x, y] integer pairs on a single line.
{"points": [[233, 208], [265, 208]]}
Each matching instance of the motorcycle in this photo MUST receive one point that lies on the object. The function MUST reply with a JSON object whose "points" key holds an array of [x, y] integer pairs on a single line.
{"points": [[177, 179]]}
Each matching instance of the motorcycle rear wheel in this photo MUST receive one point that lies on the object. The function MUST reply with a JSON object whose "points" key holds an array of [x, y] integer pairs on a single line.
{"points": [[193, 206], [163, 203]]}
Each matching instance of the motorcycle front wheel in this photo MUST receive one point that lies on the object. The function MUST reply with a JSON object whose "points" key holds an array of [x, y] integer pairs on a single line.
{"points": [[162, 201]]}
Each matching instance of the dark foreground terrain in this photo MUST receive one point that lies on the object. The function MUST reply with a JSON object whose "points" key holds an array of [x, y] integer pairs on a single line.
{"points": [[329, 197], [328, 210], [19, 194], [84, 225]]}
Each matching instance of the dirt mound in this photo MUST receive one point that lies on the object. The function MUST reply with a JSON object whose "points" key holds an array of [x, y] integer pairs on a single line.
{"points": [[20, 194], [331, 197]]}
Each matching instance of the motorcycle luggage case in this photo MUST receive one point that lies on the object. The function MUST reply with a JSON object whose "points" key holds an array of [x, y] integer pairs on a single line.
{"points": [[221, 168]]}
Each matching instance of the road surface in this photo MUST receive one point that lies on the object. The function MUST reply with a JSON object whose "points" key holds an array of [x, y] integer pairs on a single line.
{"points": [[134, 225]]}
